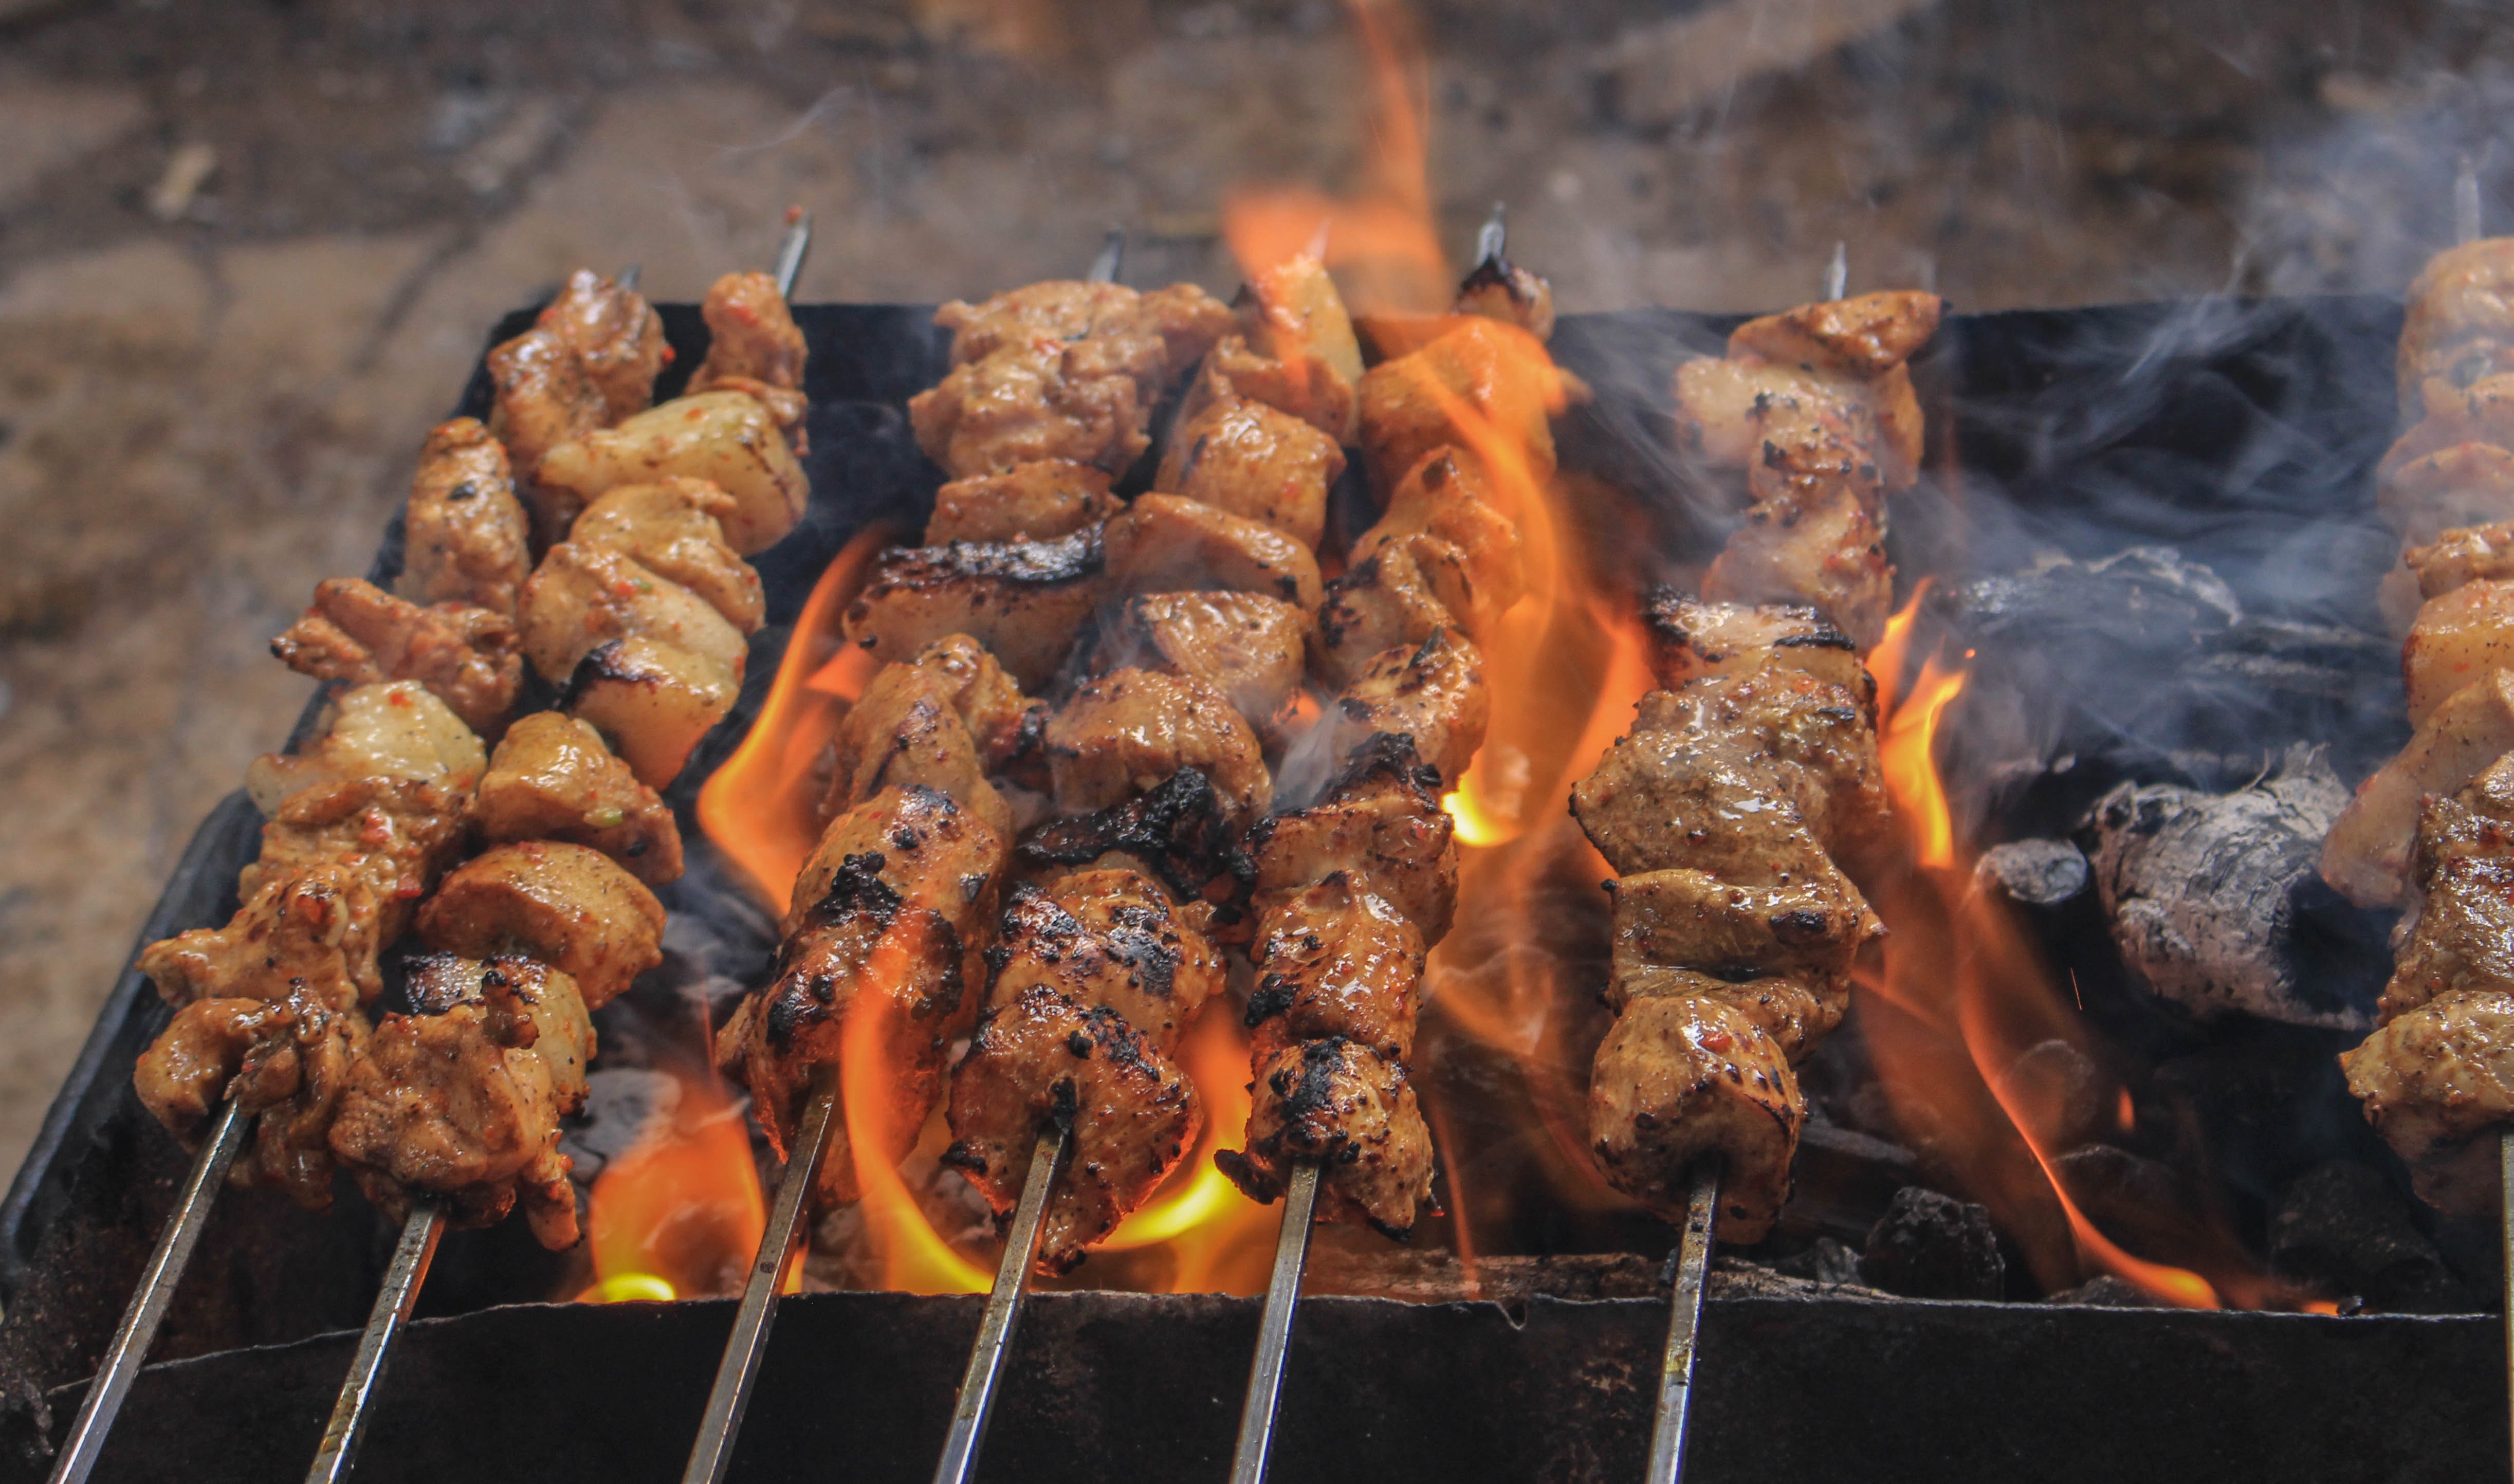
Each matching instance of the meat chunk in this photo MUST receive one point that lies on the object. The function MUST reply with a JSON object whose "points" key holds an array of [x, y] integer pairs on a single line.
{"points": [[723, 437], [1296, 350], [1246, 645], [1125, 732], [1682, 1078], [2461, 934], [396, 834], [1108, 938], [676, 529], [1167, 544], [1864, 336], [752, 335], [1256, 462], [1335, 960], [1008, 726], [2367, 855], [1433, 693], [2439, 1082], [2459, 325], [652, 701], [2458, 640], [462, 1100], [359, 633], [1179, 832], [1038, 1056], [2446, 487], [465, 538], [617, 337], [2468, 554], [1496, 290], [1024, 601], [1351, 1111], [1690, 638], [1380, 821], [560, 904], [1444, 497], [584, 596], [1829, 553], [545, 398], [904, 728], [286, 1063], [312, 932], [394, 729], [1495, 375], [1028, 503], [1812, 927], [551, 778], [1397, 598]]}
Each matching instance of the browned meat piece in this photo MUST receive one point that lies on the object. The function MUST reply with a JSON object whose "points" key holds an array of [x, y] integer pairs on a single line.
{"points": [[1009, 728], [904, 728], [1304, 387], [2366, 853], [1024, 601], [551, 778], [2439, 1082], [1296, 352], [2457, 640], [1867, 335], [1795, 1013], [652, 701], [1125, 732], [1810, 422], [465, 532], [1830, 556], [1039, 1055], [1246, 645], [2443, 489], [1743, 778], [398, 835], [462, 1100], [583, 597], [887, 919], [395, 730], [1496, 376], [752, 335], [311, 930], [1349, 1110], [1443, 497], [2461, 935], [1680, 1078], [1433, 692], [560, 904], [1256, 462], [1496, 290], [1165, 543], [286, 1063], [1179, 832], [357, 632], [1028, 503], [618, 337], [2467, 554], [1188, 321], [1107, 939], [676, 530], [545, 397], [2459, 325], [1380, 820], [1333, 962], [1690, 638], [725, 437], [1143, 334], [1670, 925], [1397, 598]]}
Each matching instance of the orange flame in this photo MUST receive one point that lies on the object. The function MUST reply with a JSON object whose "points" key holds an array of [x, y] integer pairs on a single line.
{"points": [[679, 1215]]}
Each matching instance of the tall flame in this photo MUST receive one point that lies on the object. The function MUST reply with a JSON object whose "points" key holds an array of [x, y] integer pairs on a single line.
{"points": [[680, 1214]]}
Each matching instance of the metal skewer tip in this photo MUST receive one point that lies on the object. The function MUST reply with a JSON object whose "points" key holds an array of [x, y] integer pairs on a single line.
{"points": [[1684, 1324], [2465, 200], [1274, 1331], [1111, 259], [130, 1348], [975, 1402], [791, 252], [393, 1303], [1837, 273], [1494, 236], [628, 277], [738, 1370]]}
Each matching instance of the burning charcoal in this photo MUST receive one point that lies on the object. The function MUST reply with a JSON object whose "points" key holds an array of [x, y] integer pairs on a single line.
{"points": [[2040, 873], [2103, 1290], [618, 1105], [1827, 1261], [2216, 902], [2055, 1093], [2344, 1230], [1841, 1182], [1933, 1246]]}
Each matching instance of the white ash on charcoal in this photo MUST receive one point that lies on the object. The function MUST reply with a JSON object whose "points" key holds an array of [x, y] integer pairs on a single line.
{"points": [[619, 1102], [2216, 906], [1933, 1246], [2055, 1092], [2035, 873], [2344, 1229]]}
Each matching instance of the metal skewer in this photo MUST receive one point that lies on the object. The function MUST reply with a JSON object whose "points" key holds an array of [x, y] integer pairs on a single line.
{"points": [[971, 1411], [1837, 272], [1274, 1329], [130, 1348], [791, 253], [393, 1302], [1684, 1325]]}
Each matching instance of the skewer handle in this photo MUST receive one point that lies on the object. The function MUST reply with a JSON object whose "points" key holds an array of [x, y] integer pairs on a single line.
{"points": [[742, 1348], [130, 1348], [1274, 1331], [975, 1405], [1683, 1328], [393, 1303]]}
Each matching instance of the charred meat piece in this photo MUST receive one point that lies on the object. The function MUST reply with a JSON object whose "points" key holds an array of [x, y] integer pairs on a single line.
{"points": [[2462, 933], [1127, 731], [286, 1063], [1179, 832], [752, 335], [1433, 693], [1381, 822], [1683, 1077], [359, 633], [1166, 544], [1256, 462], [1690, 638], [1246, 645], [1495, 375], [879, 944], [1670, 925], [1349, 1110], [1009, 728], [1032, 501], [904, 728], [1334, 960], [1808, 424], [2438, 1082], [676, 530], [1024, 601], [1039, 1055], [1395, 598], [615, 335], [395, 730], [726, 438], [651, 700], [462, 1100], [561, 904], [584, 596], [1829, 552], [551, 778], [465, 532], [2366, 853], [545, 397], [1107, 939], [1443, 497]]}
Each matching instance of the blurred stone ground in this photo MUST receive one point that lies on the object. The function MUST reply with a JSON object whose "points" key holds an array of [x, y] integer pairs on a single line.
{"points": [[248, 251]]}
